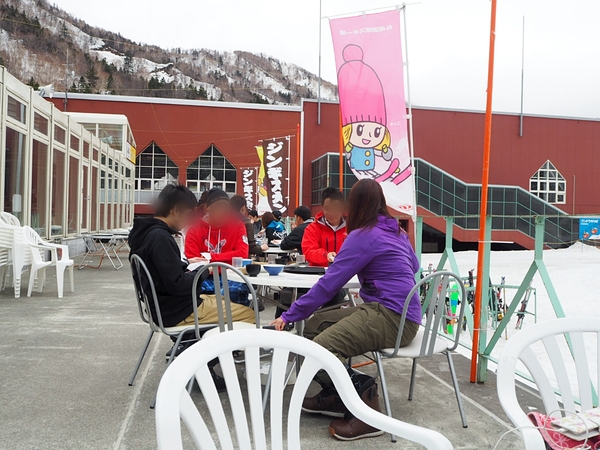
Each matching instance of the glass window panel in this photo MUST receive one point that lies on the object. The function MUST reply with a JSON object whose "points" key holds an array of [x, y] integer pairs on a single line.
{"points": [[16, 109], [218, 175], [14, 170], [60, 135], [533, 186], [73, 207], [230, 188], [146, 185], [40, 124], [230, 175], [561, 187], [552, 197], [58, 191], [112, 135], [39, 188], [74, 143], [552, 186], [542, 186], [86, 150], [94, 200], [560, 198], [85, 197]]}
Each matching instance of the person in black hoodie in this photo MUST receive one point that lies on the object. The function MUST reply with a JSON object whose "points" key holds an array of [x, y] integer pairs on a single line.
{"points": [[152, 240], [293, 241]]}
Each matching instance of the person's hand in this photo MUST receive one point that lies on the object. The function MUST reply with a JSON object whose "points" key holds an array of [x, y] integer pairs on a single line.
{"points": [[278, 324], [265, 247], [331, 256], [197, 260]]}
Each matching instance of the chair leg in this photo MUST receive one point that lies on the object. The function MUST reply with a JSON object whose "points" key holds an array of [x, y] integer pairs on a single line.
{"points": [[384, 390], [32, 274], [463, 417], [169, 361], [60, 280], [413, 372], [71, 276], [141, 358]]}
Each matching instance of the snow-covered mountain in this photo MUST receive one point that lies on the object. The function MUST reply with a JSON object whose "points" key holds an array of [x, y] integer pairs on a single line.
{"points": [[37, 39]]}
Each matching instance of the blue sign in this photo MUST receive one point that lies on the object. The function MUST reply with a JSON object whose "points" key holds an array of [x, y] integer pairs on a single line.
{"points": [[589, 228]]}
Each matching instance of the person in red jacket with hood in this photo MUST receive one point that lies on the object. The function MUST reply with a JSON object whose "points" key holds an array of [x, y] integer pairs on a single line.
{"points": [[324, 237], [221, 233]]}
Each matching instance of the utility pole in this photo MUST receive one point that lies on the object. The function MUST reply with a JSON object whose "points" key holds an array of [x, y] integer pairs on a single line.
{"points": [[66, 100]]}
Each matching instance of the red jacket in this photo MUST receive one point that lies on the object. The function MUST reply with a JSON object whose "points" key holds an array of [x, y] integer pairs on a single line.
{"points": [[223, 243], [320, 239]]}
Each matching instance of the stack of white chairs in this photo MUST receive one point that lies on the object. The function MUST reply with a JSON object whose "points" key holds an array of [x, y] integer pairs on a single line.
{"points": [[21, 247]]}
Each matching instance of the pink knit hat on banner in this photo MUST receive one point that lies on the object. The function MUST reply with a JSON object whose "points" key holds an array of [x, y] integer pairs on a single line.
{"points": [[360, 90]]}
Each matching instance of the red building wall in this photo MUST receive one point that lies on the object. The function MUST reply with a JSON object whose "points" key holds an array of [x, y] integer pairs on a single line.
{"points": [[451, 140], [185, 131]]}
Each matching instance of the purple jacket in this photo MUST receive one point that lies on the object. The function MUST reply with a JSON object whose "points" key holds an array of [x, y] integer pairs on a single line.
{"points": [[386, 266]]}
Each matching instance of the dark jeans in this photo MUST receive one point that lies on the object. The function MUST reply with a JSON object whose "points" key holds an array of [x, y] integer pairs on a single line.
{"points": [[348, 332]]}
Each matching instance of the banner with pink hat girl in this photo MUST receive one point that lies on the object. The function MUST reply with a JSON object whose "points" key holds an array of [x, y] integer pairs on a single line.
{"points": [[368, 55]]}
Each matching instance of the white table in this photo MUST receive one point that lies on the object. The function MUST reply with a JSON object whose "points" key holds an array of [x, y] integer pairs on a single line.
{"points": [[277, 251], [289, 280]]}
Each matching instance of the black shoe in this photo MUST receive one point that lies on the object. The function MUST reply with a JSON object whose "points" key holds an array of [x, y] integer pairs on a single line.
{"points": [[179, 350], [219, 381]]}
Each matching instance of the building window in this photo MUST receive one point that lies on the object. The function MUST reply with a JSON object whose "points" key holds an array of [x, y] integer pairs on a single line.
{"points": [[40, 124], [14, 170], [39, 185], [211, 169], [16, 110], [153, 171], [548, 184], [326, 173]]}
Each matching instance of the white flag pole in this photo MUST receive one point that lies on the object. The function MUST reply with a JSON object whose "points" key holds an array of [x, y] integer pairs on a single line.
{"points": [[409, 115]]}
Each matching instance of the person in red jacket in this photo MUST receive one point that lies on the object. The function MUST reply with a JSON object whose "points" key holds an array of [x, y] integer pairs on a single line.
{"points": [[324, 237], [221, 233]]}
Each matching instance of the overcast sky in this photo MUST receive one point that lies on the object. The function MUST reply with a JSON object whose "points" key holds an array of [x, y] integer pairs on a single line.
{"points": [[447, 39]]}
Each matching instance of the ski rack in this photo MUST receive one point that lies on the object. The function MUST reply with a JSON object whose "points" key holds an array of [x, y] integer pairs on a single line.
{"points": [[537, 266]]}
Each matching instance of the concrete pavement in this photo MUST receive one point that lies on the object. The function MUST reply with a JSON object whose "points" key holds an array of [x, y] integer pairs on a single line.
{"points": [[65, 364]]}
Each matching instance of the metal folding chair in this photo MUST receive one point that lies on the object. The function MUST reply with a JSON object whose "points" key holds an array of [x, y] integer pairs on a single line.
{"points": [[427, 342], [146, 293]]}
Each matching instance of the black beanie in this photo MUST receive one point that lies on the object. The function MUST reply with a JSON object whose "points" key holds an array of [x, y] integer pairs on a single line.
{"points": [[216, 194]]}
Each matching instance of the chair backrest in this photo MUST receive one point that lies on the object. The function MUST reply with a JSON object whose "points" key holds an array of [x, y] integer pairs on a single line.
{"points": [[147, 298], [173, 403], [221, 278], [31, 237], [140, 273], [436, 309], [559, 355], [9, 219]]}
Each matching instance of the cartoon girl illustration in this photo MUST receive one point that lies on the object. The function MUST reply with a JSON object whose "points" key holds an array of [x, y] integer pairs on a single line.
{"points": [[367, 139]]}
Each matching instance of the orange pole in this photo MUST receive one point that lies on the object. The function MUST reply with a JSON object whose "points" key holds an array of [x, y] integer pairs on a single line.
{"points": [[485, 175], [342, 156], [298, 196]]}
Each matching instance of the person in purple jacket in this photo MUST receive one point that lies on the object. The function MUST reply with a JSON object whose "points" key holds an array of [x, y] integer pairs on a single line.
{"points": [[380, 253]]}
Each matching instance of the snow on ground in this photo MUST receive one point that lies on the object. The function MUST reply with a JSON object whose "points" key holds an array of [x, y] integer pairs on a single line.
{"points": [[574, 274]]}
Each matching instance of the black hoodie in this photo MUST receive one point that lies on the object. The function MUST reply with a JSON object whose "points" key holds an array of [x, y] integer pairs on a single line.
{"points": [[152, 240]]}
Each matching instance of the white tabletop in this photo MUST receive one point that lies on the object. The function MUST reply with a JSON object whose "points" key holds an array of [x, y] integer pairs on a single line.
{"points": [[289, 280], [277, 251]]}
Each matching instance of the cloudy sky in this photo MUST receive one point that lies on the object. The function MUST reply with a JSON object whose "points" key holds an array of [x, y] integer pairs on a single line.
{"points": [[447, 39]]}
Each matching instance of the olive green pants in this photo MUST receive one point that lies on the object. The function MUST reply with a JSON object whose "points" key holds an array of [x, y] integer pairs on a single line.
{"points": [[348, 332]]}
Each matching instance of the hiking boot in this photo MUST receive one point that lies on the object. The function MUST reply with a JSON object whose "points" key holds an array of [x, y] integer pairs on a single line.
{"points": [[326, 402], [350, 428], [179, 350]]}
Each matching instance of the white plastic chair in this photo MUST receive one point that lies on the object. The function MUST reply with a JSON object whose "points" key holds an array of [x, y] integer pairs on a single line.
{"points": [[10, 219], [427, 342], [518, 348], [37, 246], [174, 403]]}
